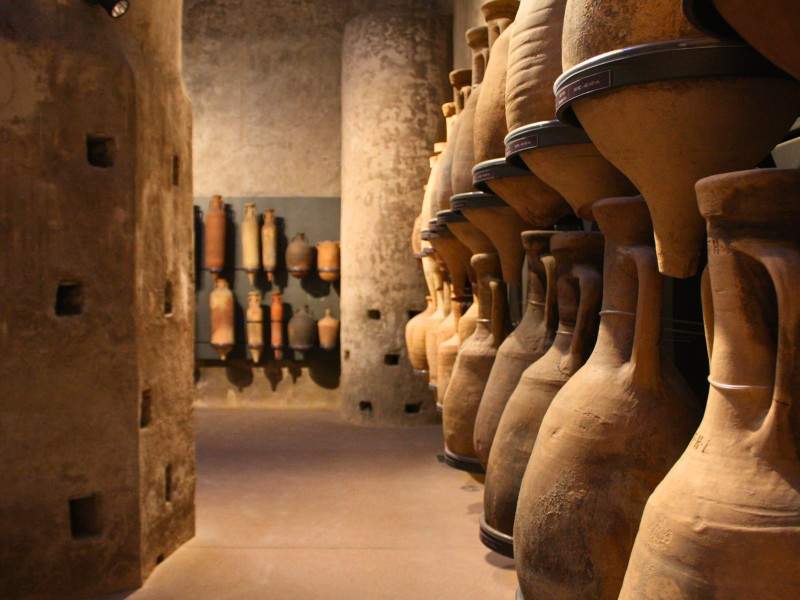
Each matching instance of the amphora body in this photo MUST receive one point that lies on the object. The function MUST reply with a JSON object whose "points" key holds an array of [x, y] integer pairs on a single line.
{"points": [[611, 433], [725, 521]]}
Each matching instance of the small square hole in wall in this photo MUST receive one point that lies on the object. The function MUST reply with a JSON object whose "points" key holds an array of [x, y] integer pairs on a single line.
{"points": [[168, 483], [146, 409], [69, 299], [413, 409], [176, 170], [84, 516], [168, 299], [347, 354], [391, 359], [374, 314], [413, 313], [101, 151], [365, 406]]}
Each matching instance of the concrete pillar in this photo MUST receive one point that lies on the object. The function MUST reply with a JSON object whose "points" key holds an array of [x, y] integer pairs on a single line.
{"points": [[394, 80], [96, 326]]}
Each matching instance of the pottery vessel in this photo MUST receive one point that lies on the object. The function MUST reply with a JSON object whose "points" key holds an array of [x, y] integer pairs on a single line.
{"points": [[276, 324], [215, 224], [464, 151], [461, 81], [770, 27], [328, 331], [328, 260], [503, 226], [251, 253], [611, 433], [525, 345], [415, 337], [440, 333], [255, 326], [472, 367], [299, 257], [499, 15], [221, 308], [269, 237], [725, 521], [578, 258], [667, 113], [301, 330], [489, 127]]}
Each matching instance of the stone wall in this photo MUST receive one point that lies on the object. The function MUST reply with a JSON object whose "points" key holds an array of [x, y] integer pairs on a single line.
{"points": [[96, 327]]}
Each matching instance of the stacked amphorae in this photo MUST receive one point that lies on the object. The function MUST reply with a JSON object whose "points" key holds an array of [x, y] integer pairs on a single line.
{"points": [[603, 478]]}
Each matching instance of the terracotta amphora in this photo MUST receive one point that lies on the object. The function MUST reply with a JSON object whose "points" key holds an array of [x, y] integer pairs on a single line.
{"points": [[255, 325], [301, 330], [668, 107], [770, 27], [464, 151], [579, 285], [221, 308], [525, 345], [299, 256], [473, 364], [611, 433], [251, 253], [503, 226], [276, 325], [461, 80], [328, 331], [725, 521], [565, 159], [431, 327], [328, 260], [437, 335], [415, 337], [215, 224], [269, 237]]}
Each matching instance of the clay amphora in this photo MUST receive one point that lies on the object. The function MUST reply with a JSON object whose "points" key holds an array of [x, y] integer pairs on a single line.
{"points": [[443, 331], [269, 238], [611, 433], [415, 337], [666, 133], [416, 241], [725, 521], [464, 152], [276, 325], [215, 224], [498, 14], [525, 345], [328, 260], [770, 27], [431, 338], [578, 258], [299, 256], [489, 127], [255, 325], [251, 253], [472, 367], [301, 330], [221, 308], [446, 356], [461, 80], [328, 331], [503, 226]]}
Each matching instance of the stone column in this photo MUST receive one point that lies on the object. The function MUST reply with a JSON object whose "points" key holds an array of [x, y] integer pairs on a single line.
{"points": [[394, 80]]}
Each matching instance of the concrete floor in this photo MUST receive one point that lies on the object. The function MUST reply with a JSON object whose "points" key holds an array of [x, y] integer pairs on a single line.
{"points": [[295, 505]]}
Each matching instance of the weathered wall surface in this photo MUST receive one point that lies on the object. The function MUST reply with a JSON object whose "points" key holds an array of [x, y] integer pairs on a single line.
{"points": [[394, 80], [95, 219], [466, 14]]}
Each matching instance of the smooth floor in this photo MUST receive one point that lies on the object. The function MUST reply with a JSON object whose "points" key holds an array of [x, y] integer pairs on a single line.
{"points": [[296, 505]]}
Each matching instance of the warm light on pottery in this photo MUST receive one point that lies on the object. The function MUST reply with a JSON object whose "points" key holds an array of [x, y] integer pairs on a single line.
{"points": [[499, 15], [215, 224], [725, 521], [671, 113], [472, 367], [610, 434], [276, 325], [328, 331], [251, 253], [579, 285], [221, 308], [415, 336], [269, 237], [328, 261], [525, 345], [255, 326], [301, 330], [489, 127]]}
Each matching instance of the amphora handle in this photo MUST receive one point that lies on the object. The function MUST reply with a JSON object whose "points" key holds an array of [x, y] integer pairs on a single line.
{"points": [[590, 290]]}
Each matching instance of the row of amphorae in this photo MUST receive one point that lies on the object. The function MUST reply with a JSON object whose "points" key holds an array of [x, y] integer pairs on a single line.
{"points": [[597, 145]]}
